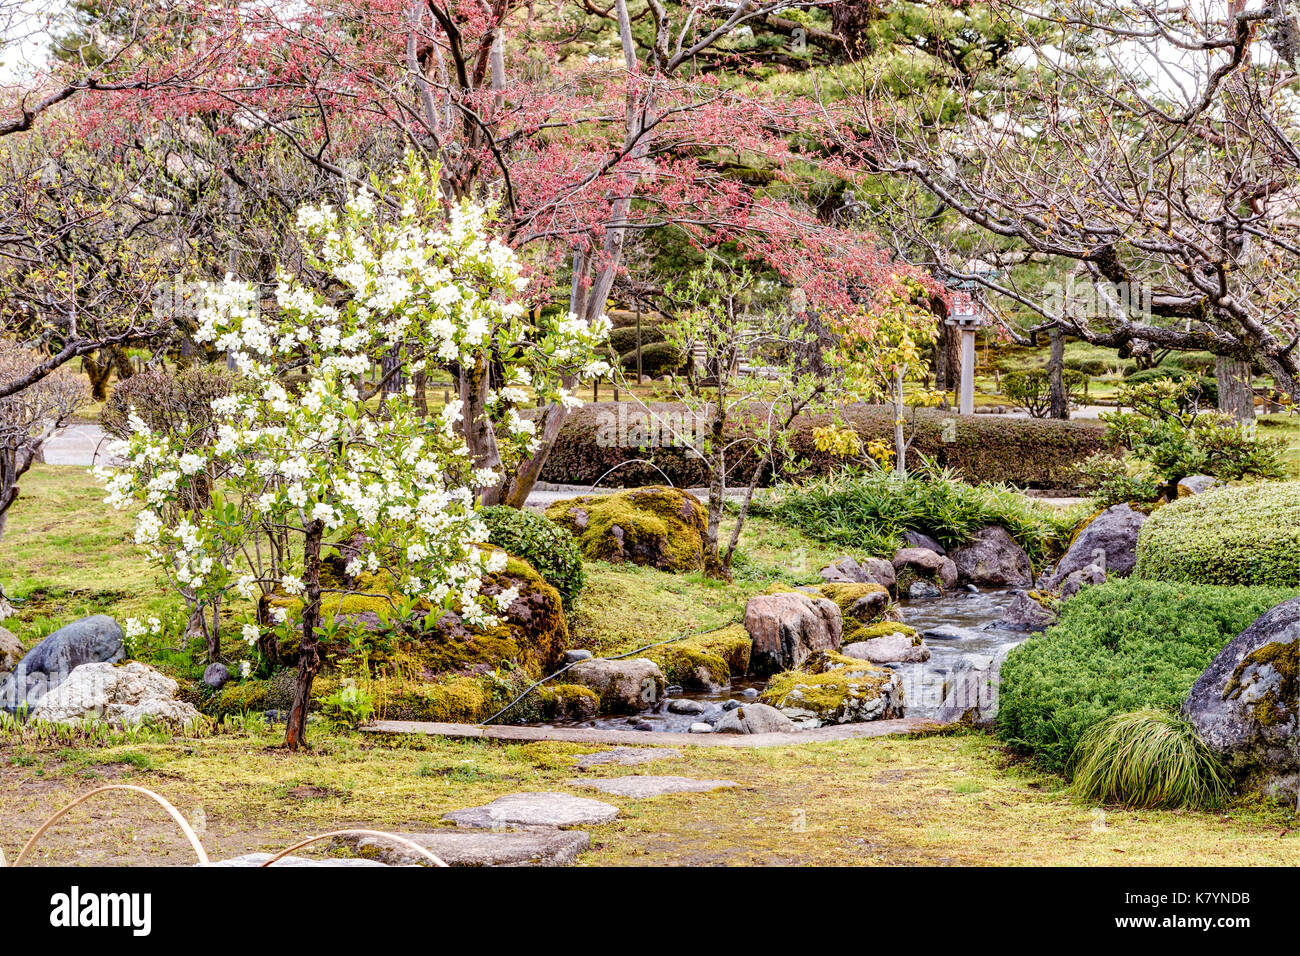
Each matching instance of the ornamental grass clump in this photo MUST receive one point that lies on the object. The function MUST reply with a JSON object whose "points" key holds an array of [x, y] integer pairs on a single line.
{"points": [[1147, 759]]}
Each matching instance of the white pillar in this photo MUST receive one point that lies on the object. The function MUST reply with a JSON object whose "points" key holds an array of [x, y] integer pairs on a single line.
{"points": [[966, 405]]}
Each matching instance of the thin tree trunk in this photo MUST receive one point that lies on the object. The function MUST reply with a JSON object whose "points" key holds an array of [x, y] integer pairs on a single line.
{"points": [[713, 564], [900, 440], [295, 734], [1236, 395], [1059, 399]]}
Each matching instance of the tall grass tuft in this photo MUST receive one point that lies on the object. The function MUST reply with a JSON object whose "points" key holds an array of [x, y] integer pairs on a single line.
{"points": [[1147, 759], [872, 511]]}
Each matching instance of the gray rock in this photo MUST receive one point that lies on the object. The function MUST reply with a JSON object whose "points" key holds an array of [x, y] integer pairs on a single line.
{"points": [[215, 675], [575, 655], [916, 539], [646, 785], [731, 704], [788, 627], [11, 650], [897, 648], [1114, 531], [926, 563], [1086, 576], [700, 727], [950, 632], [754, 719], [919, 590], [973, 694], [457, 847], [626, 757], [871, 571], [750, 692], [685, 706], [547, 809], [992, 559], [624, 686], [123, 695], [1025, 614], [867, 692], [258, 859], [1245, 706], [90, 640], [1194, 485]]}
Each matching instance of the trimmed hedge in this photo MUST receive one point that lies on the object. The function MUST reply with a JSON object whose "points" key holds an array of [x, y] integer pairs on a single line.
{"points": [[657, 358], [1032, 453], [1236, 534], [1120, 646], [550, 549]]}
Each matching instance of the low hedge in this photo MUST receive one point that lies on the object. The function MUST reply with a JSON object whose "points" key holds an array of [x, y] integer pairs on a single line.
{"points": [[1236, 534], [1120, 646], [1037, 453]]}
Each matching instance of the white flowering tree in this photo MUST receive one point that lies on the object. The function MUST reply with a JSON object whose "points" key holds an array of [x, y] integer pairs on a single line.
{"points": [[289, 471]]}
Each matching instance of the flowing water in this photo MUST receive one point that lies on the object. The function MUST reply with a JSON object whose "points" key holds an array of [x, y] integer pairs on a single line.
{"points": [[924, 684]]}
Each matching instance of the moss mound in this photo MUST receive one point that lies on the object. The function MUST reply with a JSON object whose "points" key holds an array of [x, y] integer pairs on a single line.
{"points": [[658, 527], [1247, 534], [710, 660], [549, 548]]}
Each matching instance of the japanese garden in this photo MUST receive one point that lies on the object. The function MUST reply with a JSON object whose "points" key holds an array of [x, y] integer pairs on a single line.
{"points": [[634, 432]]}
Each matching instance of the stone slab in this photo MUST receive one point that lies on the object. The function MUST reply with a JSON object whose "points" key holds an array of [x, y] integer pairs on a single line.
{"points": [[546, 809], [626, 757], [646, 785], [475, 847]]}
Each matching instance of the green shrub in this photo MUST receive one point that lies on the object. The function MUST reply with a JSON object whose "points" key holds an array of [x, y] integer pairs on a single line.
{"points": [[1032, 389], [550, 549], [1207, 388], [1149, 758], [657, 358], [1120, 646], [1236, 534], [873, 511], [623, 340], [1033, 453]]}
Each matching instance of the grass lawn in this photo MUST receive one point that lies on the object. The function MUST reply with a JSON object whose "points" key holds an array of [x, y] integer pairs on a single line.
{"points": [[942, 799]]}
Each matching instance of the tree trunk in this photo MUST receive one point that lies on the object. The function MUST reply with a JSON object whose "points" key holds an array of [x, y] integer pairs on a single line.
{"points": [[295, 734], [480, 437], [1236, 396], [1060, 399], [900, 441], [713, 565]]}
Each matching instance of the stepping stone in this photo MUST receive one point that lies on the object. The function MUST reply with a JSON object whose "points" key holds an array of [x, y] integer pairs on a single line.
{"points": [[626, 756], [257, 859], [535, 810], [477, 847], [648, 786]]}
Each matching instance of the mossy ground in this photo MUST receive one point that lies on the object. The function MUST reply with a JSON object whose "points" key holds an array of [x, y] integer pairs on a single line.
{"points": [[932, 800], [937, 800]]}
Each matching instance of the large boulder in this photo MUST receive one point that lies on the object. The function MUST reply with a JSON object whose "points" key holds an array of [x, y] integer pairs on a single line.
{"points": [[754, 719], [1195, 484], [1114, 531], [91, 640], [624, 686], [973, 694], [658, 527], [1025, 614], [124, 695], [992, 559], [11, 651], [1244, 705], [834, 689], [787, 627], [918, 539], [869, 571], [923, 563]]}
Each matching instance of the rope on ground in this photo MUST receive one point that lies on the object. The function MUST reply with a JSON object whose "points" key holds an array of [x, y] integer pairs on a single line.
{"points": [[616, 657]]}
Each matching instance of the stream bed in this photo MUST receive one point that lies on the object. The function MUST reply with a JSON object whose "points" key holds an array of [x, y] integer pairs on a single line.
{"points": [[956, 626]]}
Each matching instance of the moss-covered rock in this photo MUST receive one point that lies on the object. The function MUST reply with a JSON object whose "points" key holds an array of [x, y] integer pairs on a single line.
{"points": [[708, 661], [861, 606], [834, 689], [658, 527]]}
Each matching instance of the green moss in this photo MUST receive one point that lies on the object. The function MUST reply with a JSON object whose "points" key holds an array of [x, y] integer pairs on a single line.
{"points": [[865, 632], [251, 696], [657, 526], [1278, 704], [568, 701], [846, 594], [828, 685]]}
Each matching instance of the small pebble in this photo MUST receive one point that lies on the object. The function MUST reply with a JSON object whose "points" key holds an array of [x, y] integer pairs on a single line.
{"points": [[685, 706], [575, 655], [731, 705], [700, 727], [750, 692]]}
